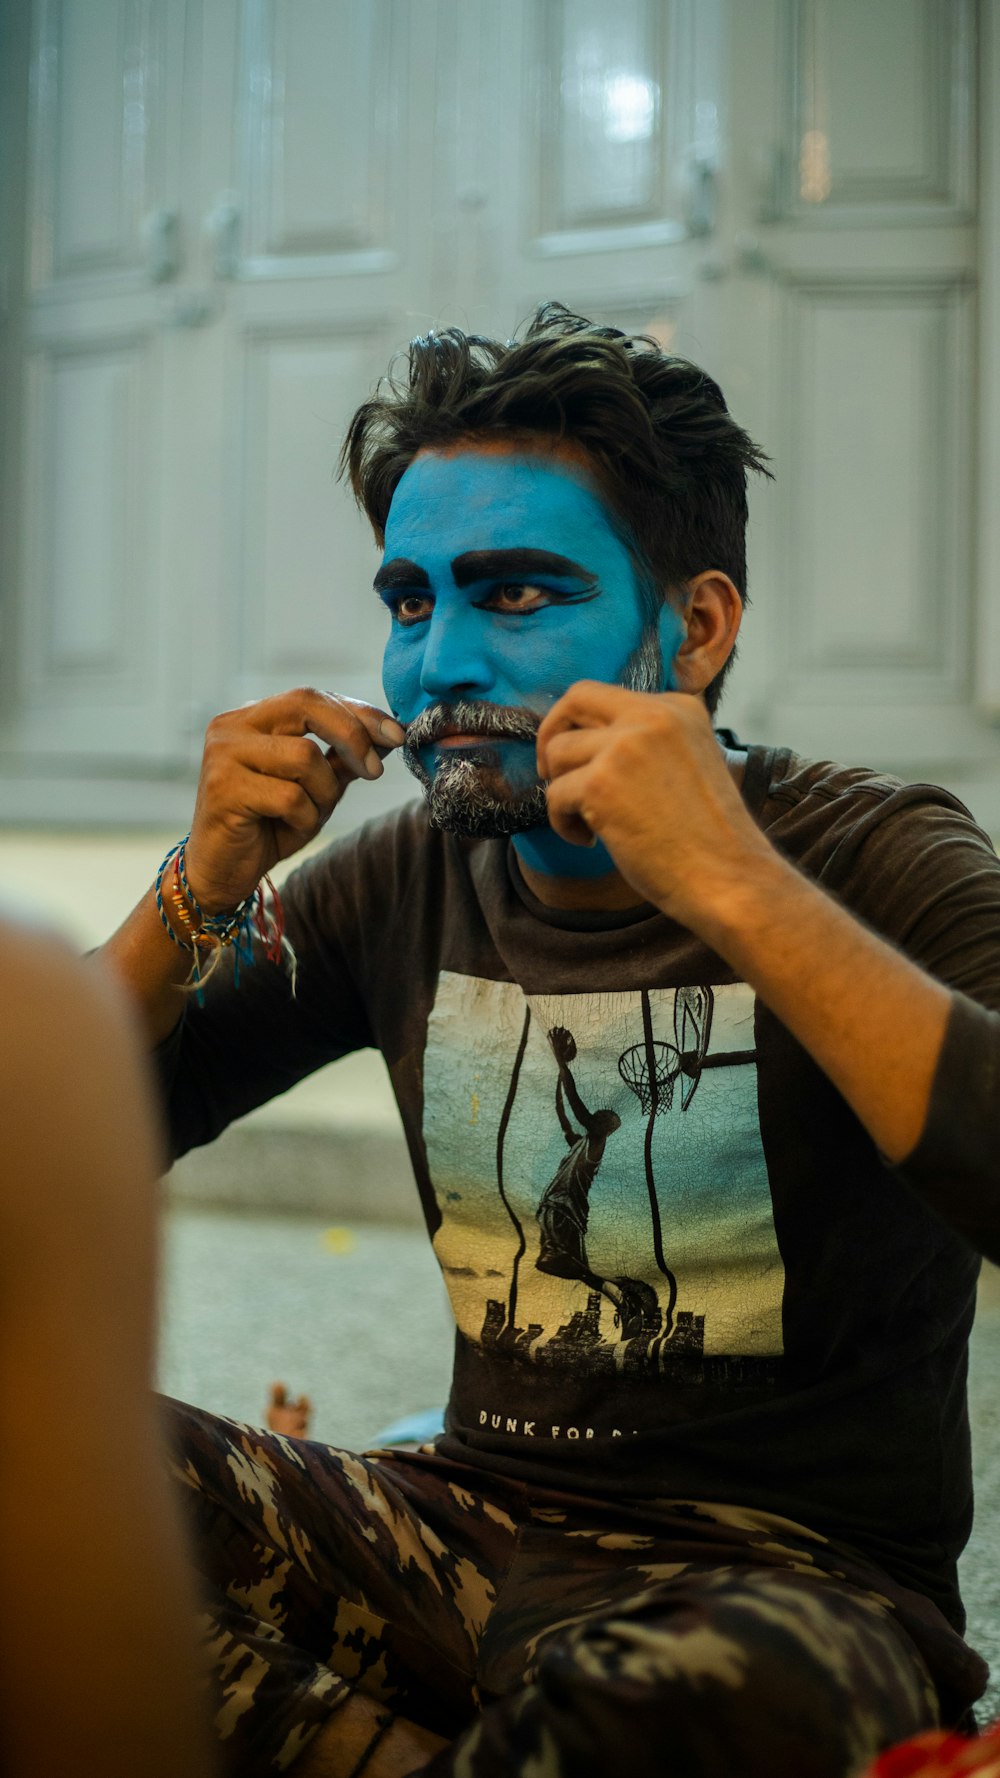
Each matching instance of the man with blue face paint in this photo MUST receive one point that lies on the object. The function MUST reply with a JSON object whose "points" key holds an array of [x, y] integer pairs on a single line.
{"points": [[695, 1045], [510, 648]]}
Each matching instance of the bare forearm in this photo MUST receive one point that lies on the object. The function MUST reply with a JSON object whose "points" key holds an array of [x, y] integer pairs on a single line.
{"points": [[272, 774], [151, 967], [871, 1019]]}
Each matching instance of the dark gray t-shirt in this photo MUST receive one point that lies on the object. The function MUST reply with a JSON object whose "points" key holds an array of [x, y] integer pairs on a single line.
{"points": [[678, 1266]]}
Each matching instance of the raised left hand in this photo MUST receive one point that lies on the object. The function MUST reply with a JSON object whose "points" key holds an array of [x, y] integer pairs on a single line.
{"points": [[645, 774]]}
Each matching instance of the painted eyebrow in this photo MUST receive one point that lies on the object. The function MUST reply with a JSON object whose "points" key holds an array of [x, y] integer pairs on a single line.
{"points": [[401, 575], [492, 564]]}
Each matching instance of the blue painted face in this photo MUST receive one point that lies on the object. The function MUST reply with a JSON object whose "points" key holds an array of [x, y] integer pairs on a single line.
{"points": [[507, 582]]}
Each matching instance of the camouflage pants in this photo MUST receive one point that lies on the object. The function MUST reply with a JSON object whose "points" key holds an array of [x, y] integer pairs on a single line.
{"points": [[543, 1634]]}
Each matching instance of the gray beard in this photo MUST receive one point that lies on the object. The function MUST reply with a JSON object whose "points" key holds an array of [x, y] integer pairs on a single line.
{"points": [[469, 795], [643, 671]]}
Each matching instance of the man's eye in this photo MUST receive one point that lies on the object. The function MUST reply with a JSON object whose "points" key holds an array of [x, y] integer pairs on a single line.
{"points": [[516, 595], [411, 608]]}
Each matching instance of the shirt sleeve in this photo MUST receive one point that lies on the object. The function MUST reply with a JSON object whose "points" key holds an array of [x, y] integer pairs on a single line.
{"points": [[245, 1045], [921, 872], [956, 1164]]}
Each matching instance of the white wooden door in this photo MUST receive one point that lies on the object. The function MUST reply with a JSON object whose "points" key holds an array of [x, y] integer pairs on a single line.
{"points": [[227, 211], [94, 627], [852, 349], [240, 208]]}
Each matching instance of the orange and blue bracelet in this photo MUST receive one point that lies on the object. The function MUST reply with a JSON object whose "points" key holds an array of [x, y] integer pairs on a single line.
{"points": [[215, 932]]}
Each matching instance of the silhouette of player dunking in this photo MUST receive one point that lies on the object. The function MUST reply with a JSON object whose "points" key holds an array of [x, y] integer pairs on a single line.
{"points": [[565, 1206]]}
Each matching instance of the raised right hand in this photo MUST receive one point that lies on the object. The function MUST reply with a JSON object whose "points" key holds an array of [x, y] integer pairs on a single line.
{"points": [[272, 774]]}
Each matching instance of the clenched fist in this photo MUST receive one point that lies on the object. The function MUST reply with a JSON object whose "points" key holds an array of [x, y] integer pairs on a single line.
{"points": [[645, 773], [272, 774]]}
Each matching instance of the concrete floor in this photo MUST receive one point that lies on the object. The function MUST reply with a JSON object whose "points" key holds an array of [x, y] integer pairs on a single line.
{"points": [[356, 1316]]}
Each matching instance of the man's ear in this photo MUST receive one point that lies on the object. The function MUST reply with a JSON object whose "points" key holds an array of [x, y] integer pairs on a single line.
{"points": [[711, 611]]}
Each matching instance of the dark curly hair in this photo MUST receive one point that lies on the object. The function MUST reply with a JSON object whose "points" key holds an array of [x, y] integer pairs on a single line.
{"points": [[658, 438]]}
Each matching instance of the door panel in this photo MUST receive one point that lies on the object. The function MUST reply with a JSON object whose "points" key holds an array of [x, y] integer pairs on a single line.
{"points": [[603, 120], [323, 146], [99, 201], [875, 386], [92, 662], [880, 108], [86, 457], [306, 606]]}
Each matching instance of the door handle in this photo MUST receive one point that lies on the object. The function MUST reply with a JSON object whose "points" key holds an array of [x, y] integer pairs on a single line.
{"points": [[161, 238], [703, 201], [222, 231]]}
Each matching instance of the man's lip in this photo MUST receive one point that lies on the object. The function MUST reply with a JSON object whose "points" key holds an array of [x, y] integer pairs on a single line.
{"points": [[454, 737]]}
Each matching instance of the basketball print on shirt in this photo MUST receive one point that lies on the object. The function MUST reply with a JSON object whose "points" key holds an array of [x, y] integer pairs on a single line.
{"points": [[598, 1166]]}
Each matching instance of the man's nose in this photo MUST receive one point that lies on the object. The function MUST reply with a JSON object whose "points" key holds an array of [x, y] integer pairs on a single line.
{"points": [[456, 660]]}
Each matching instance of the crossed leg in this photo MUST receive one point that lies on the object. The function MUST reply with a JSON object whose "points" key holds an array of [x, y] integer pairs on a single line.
{"points": [[529, 1631], [711, 1673]]}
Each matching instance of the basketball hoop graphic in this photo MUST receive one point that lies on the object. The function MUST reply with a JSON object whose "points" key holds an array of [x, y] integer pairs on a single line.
{"points": [[653, 1089]]}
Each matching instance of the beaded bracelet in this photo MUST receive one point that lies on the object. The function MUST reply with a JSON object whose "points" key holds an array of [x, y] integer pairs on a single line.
{"points": [[213, 933], [379, 1736]]}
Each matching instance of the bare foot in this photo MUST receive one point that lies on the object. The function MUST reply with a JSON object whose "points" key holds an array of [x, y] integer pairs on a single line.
{"points": [[288, 1417], [404, 1748]]}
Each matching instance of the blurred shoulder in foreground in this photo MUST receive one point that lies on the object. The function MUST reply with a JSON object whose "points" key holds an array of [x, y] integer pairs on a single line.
{"points": [[98, 1672]]}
